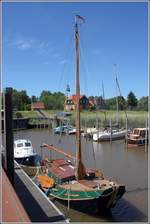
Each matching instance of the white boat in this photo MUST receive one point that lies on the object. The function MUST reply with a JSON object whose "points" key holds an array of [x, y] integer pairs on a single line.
{"points": [[25, 155], [73, 131], [109, 135], [23, 150], [89, 132]]}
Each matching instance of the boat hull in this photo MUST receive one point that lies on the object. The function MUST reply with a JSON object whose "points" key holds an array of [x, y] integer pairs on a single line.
{"points": [[108, 137], [136, 141], [32, 160], [95, 200]]}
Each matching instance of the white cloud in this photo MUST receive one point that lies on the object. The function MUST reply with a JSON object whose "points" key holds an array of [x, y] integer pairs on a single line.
{"points": [[22, 44], [43, 45], [62, 62], [97, 51]]}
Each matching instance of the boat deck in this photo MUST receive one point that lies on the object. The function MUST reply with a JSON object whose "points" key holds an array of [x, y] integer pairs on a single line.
{"points": [[87, 185], [38, 207]]}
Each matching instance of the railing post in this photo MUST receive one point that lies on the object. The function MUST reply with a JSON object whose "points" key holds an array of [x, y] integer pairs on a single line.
{"points": [[9, 151]]}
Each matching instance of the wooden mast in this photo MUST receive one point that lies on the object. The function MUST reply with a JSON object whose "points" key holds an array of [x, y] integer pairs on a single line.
{"points": [[80, 170]]}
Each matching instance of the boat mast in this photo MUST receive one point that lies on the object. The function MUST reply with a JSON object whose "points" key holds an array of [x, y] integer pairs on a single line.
{"points": [[80, 170], [117, 105]]}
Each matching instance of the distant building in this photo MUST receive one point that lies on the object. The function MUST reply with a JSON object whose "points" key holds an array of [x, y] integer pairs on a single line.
{"points": [[70, 103], [37, 106]]}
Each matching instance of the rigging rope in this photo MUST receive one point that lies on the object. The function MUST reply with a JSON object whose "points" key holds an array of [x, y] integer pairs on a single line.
{"points": [[69, 52]]}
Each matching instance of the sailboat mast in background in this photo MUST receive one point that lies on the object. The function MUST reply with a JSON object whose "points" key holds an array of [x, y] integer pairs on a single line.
{"points": [[117, 104]]}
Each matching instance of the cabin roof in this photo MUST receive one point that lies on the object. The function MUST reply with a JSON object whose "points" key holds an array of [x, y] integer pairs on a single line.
{"points": [[63, 172], [60, 162], [63, 169], [21, 141], [139, 129]]}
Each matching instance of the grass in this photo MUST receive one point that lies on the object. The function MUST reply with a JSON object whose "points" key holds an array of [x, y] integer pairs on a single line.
{"points": [[135, 118], [90, 118], [27, 114]]}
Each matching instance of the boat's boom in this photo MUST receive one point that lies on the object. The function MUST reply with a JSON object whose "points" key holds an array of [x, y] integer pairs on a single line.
{"points": [[50, 147]]}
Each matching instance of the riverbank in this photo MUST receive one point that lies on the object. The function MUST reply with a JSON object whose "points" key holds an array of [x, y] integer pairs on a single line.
{"points": [[100, 118]]}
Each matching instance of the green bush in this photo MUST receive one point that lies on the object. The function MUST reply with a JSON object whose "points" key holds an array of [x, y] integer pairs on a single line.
{"points": [[18, 115]]}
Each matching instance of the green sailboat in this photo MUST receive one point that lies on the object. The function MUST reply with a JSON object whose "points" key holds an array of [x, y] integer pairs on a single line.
{"points": [[74, 183]]}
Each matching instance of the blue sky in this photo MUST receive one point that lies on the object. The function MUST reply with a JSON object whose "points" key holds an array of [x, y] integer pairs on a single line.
{"points": [[38, 47]]}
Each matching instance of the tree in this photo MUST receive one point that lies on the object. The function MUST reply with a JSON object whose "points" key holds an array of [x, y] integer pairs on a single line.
{"points": [[45, 93], [100, 102], [25, 100], [34, 99], [121, 103], [132, 101], [16, 100], [52, 101], [143, 103], [20, 100], [111, 103]]}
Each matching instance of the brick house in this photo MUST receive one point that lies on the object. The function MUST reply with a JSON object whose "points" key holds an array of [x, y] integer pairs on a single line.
{"points": [[37, 106], [70, 103]]}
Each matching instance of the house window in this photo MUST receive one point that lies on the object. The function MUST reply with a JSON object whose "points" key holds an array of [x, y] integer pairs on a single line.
{"points": [[69, 102]]}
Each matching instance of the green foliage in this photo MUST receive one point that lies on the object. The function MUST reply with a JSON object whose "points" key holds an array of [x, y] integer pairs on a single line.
{"points": [[34, 99], [44, 93], [111, 103], [132, 101], [143, 104], [20, 100], [53, 101], [18, 115], [121, 103], [28, 107]]}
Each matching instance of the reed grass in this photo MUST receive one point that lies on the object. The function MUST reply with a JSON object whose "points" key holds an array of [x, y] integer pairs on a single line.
{"points": [[97, 118], [100, 119]]}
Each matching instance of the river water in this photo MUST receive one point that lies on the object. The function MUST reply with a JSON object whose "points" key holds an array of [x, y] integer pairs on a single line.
{"points": [[128, 166]]}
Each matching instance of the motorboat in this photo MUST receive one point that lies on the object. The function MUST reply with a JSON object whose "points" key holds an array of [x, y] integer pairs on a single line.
{"points": [[138, 136], [64, 129], [25, 155]]}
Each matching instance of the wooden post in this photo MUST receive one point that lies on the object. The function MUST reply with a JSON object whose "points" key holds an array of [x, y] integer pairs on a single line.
{"points": [[9, 152], [110, 124], [126, 138], [146, 133]]}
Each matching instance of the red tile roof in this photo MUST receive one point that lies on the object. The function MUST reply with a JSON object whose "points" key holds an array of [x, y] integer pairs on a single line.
{"points": [[73, 97], [38, 105]]}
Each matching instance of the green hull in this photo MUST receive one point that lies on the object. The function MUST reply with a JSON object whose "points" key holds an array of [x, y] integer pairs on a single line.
{"points": [[65, 194], [96, 200]]}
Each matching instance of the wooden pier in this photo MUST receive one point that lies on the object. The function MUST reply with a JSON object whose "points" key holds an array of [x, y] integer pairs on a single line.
{"points": [[37, 205], [22, 200], [12, 209]]}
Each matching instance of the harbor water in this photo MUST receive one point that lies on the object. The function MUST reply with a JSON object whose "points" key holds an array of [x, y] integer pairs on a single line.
{"points": [[127, 166]]}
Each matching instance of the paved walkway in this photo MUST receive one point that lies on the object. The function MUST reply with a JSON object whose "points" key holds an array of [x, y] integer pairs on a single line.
{"points": [[38, 207], [12, 209]]}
